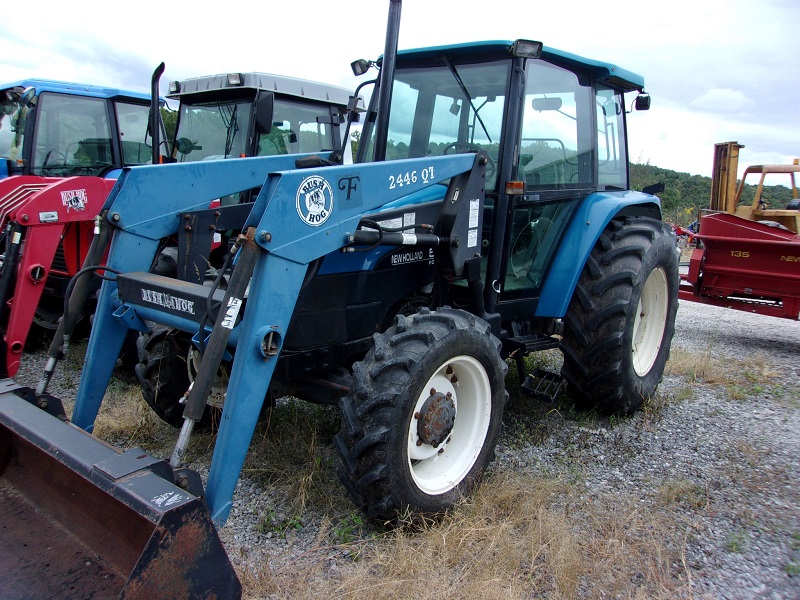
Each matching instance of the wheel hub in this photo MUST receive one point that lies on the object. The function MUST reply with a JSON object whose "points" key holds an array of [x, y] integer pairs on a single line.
{"points": [[436, 418]]}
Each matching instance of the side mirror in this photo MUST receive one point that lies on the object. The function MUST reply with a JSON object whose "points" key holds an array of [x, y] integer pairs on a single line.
{"points": [[265, 108], [642, 102], [27, 98]]}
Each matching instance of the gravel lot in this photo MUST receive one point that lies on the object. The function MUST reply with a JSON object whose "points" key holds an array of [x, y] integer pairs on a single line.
{"points": [[742, 450]]}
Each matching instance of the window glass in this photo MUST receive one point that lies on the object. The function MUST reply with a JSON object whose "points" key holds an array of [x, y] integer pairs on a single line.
{"points": [[295, 129], [212, 130], [132, 122], [72, 137], [555, 150], [611, 156], [447, 110], [12, 129]]}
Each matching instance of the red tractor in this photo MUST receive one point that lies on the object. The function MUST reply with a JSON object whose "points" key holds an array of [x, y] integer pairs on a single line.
{"points": [[62, 146], [748, 257]]}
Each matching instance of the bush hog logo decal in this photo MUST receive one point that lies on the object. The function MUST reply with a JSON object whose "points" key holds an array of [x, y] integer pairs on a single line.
{"points": [[74, 200], [168, 301], [314, 200]]}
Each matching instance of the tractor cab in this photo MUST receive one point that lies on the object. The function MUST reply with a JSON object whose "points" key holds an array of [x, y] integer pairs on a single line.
{"points": [[553, 127], [255, 114], [56, 129]]}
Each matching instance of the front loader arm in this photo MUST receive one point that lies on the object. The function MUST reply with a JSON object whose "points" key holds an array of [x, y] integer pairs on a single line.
{"points": [[144, 206], [299, 216]]}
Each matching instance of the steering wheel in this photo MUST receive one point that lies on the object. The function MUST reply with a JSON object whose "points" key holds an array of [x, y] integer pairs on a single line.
{"points": [[184, 145], [59, 155], [459, 147]]}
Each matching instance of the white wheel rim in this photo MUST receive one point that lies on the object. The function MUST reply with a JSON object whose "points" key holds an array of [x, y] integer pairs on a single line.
{"points": [[438, 470], [651, 319]]}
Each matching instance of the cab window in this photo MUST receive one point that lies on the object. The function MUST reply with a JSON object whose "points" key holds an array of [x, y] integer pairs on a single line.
{"points": [[72, 136], [297, 128], [555, 150]]}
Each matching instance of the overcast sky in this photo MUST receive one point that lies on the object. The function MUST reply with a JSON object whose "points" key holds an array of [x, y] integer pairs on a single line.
{"points": [[716, 70]]}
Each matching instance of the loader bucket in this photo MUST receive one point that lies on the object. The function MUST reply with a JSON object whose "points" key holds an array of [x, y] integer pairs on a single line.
{"points": [[80, 519]]}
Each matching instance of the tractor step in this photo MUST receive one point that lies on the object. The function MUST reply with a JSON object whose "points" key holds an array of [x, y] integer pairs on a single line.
{"points": [[543, 385], [534, 343]]}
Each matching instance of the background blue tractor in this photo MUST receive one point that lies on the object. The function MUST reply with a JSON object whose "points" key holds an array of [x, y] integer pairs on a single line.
{"points": [[487, 216], [58, 129]]}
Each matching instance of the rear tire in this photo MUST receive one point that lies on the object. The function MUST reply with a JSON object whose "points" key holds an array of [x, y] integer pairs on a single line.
{"points": [[620, 322], [422, 420]]}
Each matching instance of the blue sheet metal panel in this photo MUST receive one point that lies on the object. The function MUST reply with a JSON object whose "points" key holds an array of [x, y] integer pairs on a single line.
{"points": [[311, 210], [583, 232]]}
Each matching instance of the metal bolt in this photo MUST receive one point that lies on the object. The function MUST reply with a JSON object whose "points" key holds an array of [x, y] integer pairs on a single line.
{"points": [[115, 217], [433, 391], [448, 395], [25, 218], [266, 236]]}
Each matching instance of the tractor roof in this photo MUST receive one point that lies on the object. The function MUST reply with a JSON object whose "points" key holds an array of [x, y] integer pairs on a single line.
{"points": [[601, 71], [290, 86], [75, 89]]}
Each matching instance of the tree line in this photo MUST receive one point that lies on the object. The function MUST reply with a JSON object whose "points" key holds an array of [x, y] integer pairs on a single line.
{"points": [[684, 195]]}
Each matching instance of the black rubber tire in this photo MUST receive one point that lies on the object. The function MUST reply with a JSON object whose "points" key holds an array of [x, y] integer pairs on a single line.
{"points": [[377, 441], [162, 372], [601, 320]]}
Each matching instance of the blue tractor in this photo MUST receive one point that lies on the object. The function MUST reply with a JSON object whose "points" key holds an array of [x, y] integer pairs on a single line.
{"points": [[58, 129], [487, 216]]}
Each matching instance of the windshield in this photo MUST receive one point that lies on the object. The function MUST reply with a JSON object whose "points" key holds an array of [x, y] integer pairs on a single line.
{"points": [[72, 137], [132, 122], [12, 127], [448, 109], [212, 130]]}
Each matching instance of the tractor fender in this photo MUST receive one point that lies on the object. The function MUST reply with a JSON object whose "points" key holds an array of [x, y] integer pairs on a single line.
{"points": [[589, 221]]}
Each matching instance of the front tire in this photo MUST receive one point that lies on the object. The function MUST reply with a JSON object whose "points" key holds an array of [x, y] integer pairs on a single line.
{"points": [[424, 414], [167, 365], [620, 322]]}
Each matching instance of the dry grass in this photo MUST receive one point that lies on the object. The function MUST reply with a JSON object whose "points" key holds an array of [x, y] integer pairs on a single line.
{"points": [[292, 450], [519, 536], [740, 378]]}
